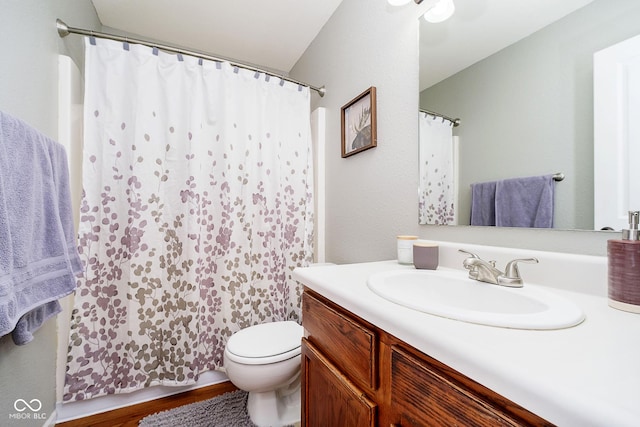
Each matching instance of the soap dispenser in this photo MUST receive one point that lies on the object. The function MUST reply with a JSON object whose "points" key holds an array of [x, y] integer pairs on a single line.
{"points": [[624, 268]]}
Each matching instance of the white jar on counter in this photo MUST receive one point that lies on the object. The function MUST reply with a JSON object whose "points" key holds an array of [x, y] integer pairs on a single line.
{"points": [[405, 249]]}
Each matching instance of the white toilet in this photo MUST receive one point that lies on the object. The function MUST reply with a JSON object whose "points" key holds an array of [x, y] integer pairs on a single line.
{"points": [[265, 361]]}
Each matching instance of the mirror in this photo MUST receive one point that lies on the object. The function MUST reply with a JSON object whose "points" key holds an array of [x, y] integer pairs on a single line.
{"points": [[526, 105]]}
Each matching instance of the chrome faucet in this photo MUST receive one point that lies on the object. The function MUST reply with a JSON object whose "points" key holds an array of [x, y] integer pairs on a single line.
{"points": [[486, 271]]}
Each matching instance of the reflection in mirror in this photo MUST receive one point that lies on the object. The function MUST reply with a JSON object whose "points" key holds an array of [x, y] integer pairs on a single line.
{"points": [[438, 189], [616, 100], [526, 107]]}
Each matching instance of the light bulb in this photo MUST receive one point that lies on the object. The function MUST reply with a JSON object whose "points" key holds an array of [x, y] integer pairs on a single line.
{"points": [[398, 2], [441, 11]]}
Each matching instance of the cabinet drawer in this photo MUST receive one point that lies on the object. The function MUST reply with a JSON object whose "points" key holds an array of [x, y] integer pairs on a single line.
{"points": [[350, 345], [424, 395]]}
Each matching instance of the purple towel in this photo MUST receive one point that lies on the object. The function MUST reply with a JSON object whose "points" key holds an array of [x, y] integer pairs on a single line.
{"points": [[483, 203], [38, 251], [525, 202]]}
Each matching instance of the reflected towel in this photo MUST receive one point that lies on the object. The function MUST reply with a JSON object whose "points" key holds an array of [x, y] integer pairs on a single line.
{"points": [[525, 202], [483, 203], [38, 253]]}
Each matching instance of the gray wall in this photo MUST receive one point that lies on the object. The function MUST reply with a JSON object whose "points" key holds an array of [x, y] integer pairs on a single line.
{"points": [[529, 107], [28, 90], [372, 196]]}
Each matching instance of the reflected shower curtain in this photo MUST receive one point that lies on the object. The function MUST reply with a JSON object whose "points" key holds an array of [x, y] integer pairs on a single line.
{"points": [[437, 186], [197, 205]]}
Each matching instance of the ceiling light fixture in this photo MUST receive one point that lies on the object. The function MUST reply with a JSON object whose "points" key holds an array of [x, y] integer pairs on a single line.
{"points": [[439, 12]]}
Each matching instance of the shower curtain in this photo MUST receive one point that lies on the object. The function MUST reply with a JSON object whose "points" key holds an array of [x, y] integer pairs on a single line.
{"points": [[197, 205], [437, 187]]}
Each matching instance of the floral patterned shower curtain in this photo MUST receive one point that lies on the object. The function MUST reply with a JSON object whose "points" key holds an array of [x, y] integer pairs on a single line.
{"points": [[437, 194], [197, 205]]}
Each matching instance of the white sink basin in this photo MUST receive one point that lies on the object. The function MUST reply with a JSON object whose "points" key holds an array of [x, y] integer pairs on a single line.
{"points": [[451, 294]]}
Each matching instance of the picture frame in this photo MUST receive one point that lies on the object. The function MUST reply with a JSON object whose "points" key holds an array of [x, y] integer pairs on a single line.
{"points": [[359, 123]]}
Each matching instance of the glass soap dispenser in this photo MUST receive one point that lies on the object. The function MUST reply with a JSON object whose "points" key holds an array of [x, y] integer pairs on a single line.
{"points": [[624, 268]]}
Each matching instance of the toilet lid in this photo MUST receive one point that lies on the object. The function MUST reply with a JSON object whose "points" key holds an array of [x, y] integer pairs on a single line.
{"points": [[266, 340]]}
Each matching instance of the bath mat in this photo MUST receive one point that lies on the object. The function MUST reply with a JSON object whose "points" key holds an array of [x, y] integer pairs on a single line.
{"points": [[226, 410]]}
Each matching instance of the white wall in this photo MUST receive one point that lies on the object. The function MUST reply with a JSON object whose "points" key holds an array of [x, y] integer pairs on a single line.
{"points": [[28, 90], [372, 196]]}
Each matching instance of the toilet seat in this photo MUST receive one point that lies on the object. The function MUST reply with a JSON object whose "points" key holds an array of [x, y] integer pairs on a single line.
{"points": [[265, 343]]}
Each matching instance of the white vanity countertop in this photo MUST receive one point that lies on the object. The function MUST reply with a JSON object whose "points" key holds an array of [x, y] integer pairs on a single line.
{"points": [[588, 375]]}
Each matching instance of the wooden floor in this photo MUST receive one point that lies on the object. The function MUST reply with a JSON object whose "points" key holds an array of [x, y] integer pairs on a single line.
{"points": [[131, 415]]}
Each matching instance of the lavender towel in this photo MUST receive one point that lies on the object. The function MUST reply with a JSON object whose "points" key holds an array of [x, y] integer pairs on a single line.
{"points": [[483, 203], [38, 253], [525, 202]]}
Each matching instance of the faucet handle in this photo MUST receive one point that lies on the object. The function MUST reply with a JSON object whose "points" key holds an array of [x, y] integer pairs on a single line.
{"points": [[471, 254], [511, 275]]}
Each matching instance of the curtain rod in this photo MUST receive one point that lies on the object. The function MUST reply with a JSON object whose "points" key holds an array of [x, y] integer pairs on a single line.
{"points": [[456, 122], [64, 30]]}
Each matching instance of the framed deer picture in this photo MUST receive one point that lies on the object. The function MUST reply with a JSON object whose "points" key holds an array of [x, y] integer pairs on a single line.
{"points": [[359, 123]]}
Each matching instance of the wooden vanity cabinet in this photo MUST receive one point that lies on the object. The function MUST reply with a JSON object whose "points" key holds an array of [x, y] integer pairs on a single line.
{"points": [[354, 374]]}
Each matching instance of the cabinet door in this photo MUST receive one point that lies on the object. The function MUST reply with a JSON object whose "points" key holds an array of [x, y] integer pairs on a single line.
{"points": [[423, 394], [329, 398]]}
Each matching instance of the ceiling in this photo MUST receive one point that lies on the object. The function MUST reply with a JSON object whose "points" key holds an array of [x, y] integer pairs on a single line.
{"points": [[273, 34]]}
